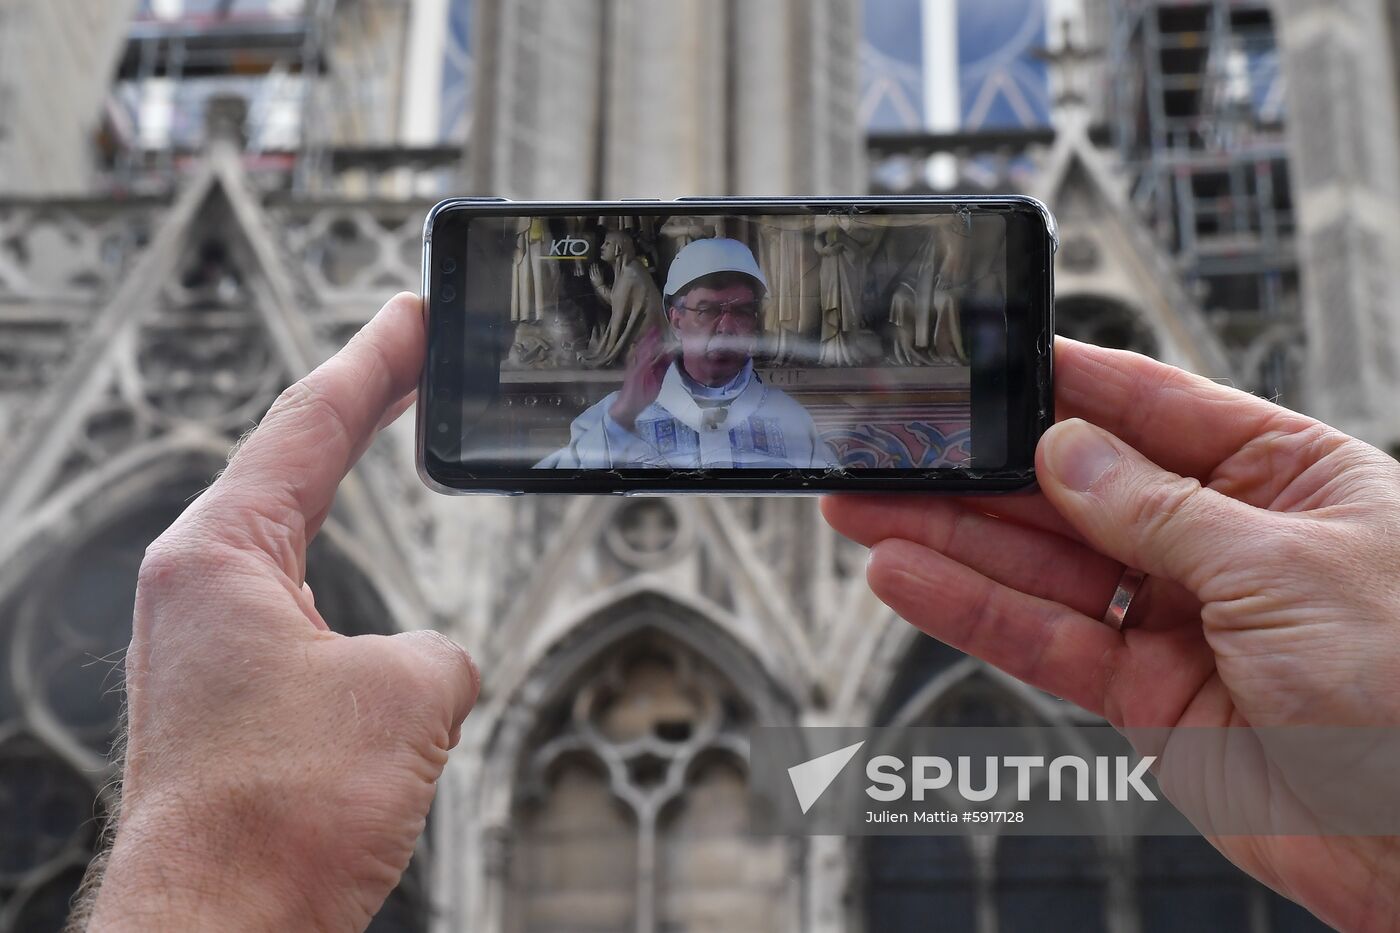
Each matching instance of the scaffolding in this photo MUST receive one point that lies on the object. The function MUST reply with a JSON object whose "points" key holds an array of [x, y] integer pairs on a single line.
{"points": [[1199, 122], [273, 56], [321, 80]]}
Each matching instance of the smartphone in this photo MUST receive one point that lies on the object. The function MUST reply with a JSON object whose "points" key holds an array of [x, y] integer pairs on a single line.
{"points": [[736, 345]]}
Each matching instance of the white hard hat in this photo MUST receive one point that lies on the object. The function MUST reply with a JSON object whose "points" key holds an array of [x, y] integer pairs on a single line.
{"points": [[705, 257]]}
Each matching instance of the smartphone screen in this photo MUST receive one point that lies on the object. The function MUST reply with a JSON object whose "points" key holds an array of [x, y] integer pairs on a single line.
{"points": [[787, 345]]}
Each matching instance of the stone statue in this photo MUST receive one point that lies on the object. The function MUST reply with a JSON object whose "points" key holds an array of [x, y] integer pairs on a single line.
{"points": [[632, 298], [924, 308], [845, 249], [535, 285], [681, 231], [926, 328], [646, 234], [534, 289], [792, 308]]}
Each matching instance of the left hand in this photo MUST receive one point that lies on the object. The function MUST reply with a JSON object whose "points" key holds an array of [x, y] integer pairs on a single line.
{"points": [[278, 774]]}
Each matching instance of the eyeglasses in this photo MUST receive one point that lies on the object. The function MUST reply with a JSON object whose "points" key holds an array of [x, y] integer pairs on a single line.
{"points": [[744, 309]]}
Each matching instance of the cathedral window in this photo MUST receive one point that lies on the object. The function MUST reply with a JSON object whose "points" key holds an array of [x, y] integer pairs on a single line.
{"points": [[63, 637], [633, 813]]}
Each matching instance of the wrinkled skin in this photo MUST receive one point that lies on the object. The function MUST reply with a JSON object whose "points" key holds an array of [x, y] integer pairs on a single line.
{"points": [[278, 774], [714, 352], [1273, 598]]}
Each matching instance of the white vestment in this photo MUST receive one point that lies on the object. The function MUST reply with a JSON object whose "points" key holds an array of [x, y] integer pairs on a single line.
{"points": [[743, 425]]}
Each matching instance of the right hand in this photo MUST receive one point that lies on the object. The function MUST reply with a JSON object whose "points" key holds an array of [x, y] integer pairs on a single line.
{"points": [[1273, 598], [646, 368]]}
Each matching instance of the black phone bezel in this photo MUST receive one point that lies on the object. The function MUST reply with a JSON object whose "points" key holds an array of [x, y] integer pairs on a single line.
{"points": [[1027, 388]]}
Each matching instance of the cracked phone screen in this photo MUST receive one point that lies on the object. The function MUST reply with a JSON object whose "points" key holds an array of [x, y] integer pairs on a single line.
{"points": [[838, 342]]}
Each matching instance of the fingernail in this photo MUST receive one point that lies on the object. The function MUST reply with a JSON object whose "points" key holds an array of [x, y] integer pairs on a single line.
{"points": [[1079, 454]]}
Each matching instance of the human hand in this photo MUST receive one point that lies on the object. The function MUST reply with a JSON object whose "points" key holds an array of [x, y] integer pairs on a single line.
{"points": [[278, 774], [646, 369], [1271, 601]]}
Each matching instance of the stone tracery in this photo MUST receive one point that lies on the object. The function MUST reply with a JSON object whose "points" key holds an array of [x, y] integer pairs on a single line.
{"points": [[198, 360]]}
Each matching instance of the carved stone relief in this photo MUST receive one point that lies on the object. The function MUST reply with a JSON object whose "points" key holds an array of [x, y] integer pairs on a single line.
{"points": [[204, 355], [58, 263], [634, 799], [353, 255], [71, 252], [649, 533], [841, 293]]}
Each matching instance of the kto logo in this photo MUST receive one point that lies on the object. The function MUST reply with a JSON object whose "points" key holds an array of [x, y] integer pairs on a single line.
{"points": [[570, 247]]}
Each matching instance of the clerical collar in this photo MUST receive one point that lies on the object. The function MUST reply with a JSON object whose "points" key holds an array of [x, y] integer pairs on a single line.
{"points": [[727, 392], [677, 397]]}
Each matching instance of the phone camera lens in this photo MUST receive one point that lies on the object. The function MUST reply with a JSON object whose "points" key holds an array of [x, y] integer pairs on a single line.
{"points": [[449, 294], [449, 266]]}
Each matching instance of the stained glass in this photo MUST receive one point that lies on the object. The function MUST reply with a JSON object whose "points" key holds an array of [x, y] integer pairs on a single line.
{"points": [[457, 73], [1002, 79]]}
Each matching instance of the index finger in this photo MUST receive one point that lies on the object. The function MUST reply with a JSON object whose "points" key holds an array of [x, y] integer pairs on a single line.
{"points": [[1181, 421], [278, 488]]}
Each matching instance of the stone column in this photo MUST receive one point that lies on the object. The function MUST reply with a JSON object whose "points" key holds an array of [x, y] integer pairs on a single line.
{"points": [[56, 62], [539, 99], [1342, 113], [693, 97], [795, 98], [667, 85]]}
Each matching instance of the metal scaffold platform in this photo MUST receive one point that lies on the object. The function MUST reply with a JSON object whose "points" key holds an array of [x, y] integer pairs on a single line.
{"points": [[318, 78], [1199, 123]]}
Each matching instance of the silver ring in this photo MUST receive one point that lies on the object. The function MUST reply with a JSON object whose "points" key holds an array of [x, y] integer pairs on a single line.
{"points": [[1128, 586]]}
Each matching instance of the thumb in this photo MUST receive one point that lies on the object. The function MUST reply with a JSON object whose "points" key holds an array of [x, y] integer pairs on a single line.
{"points": [[450, 670], [1132, 510]]}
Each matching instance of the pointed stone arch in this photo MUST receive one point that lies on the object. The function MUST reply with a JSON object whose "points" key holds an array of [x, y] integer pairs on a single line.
{"points": [[1107, 250], [128, 506], [605, 626], [633, 709], [204, 330], [573, 580], [1106, 321], [65, 619], [176, 469], [166, 358], [974, 880], [97, 497], [67, 589]]}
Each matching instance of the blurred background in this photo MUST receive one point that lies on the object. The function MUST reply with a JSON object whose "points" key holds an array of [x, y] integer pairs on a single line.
{"points": [[201, 199]]}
